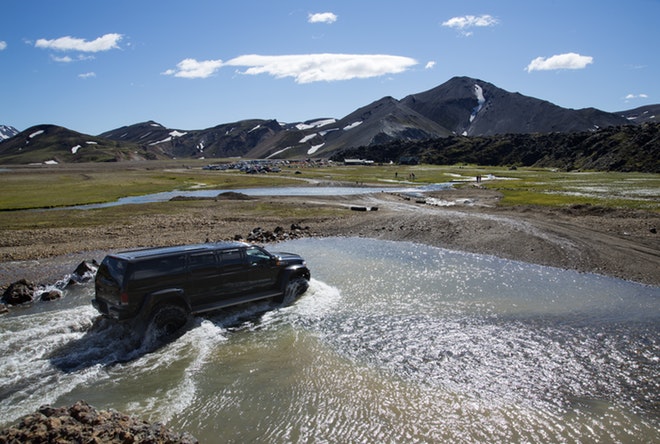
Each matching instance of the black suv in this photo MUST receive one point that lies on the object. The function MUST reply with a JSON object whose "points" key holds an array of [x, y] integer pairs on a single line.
{"points": [[163, 286]]}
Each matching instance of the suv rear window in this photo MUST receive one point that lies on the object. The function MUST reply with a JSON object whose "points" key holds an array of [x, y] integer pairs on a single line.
{"points": [[113, 269]]}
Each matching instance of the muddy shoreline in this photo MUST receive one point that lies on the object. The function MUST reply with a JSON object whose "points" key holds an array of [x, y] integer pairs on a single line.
{"points": [[620, 243]]}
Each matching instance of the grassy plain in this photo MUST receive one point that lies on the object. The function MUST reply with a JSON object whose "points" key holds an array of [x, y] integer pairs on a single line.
{"points": [[586, 221], [37, 187]]}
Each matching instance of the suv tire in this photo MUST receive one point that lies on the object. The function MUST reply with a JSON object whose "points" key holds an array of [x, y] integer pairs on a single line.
{"points": [[294, 288], [167, 320]]}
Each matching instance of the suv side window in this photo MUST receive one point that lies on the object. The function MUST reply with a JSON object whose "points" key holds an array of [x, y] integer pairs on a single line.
{"points": [[231, 257], [257, 256], [201, 261], [153, 268]]}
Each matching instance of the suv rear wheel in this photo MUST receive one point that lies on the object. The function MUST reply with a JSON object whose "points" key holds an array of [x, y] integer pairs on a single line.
{"points": [[167, 320]]}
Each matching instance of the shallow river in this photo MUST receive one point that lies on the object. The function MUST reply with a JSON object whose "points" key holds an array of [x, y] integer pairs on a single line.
{"points": [[267, 191], [393, 342]]}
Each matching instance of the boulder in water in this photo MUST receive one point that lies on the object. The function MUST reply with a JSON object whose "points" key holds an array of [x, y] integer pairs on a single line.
{"points": [[20, 292], [84, 272], [51, 295]]}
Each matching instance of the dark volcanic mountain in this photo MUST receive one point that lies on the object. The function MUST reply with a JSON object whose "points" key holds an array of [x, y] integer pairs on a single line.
{"points": [[55, 144], [473, 107]]}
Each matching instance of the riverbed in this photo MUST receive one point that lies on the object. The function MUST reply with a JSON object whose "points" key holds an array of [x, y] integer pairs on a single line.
{"points": [[393, 342]]}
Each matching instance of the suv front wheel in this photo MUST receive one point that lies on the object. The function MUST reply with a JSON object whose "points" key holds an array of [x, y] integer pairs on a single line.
{"points": [[294, 288]]}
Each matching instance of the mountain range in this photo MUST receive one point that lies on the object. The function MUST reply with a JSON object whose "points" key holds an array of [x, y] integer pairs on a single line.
{"points": [[460, 107]]}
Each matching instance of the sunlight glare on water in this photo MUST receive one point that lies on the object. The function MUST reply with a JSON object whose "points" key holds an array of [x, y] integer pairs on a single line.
{"points": [[393, 342]]}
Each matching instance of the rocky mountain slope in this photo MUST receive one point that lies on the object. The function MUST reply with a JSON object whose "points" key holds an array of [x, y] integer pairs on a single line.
{"points": [[622, 148], [461, 106], [643, 114]]}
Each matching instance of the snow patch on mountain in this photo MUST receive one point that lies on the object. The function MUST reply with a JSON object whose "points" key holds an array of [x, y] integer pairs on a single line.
{"points": [[314, 148], [173, 135], [479, 94], [307, 138], [278, 152], [75, 149], [315, 124], [352, 125], [323, 133], [35, 134]]}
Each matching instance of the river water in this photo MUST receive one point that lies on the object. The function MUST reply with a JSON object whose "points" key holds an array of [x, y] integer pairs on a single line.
{"points": [[394, 342], [319, 190]]}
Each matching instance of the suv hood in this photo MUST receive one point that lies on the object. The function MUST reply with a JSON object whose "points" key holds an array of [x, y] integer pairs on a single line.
{"points": [[289, 258]]}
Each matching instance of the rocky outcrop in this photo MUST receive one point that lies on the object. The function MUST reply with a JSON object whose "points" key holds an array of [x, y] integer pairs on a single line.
{"points": [[19, 292], [84, 424], [259, 235]]}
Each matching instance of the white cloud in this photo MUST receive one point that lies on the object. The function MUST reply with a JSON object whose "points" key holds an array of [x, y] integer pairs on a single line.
{"points": [[569, 60], [429, 65], [68, 59], [470, 21], [308, 68], [3, 45], [194, 69], [103, 43], [322, 17], [636, 96], [64, 59], [87, 75], [304, 68]]}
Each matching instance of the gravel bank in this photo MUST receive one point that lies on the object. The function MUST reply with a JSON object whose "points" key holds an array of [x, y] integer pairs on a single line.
{"points": [[619, 243]]}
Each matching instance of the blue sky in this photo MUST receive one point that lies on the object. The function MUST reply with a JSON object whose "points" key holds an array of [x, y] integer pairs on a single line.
{"points": [[96, 65]]}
